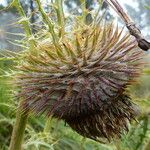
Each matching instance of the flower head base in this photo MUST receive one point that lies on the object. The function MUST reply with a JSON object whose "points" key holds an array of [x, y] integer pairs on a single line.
{"points": [[82, 79]]}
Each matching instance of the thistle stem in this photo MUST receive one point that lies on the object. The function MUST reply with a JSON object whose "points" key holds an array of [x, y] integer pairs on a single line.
{"points": [[82, 143], [47, 125], [60, 16], [134, 31], [147, 146], [18, 130], [25, 23], [21, 118], [47, 21]]}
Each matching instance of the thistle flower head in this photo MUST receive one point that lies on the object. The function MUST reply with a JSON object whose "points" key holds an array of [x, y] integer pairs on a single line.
{"points": [[81, 76]]}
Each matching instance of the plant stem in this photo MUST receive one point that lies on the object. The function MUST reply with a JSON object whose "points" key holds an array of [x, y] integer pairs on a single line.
{"points": [[147, 146], [143, 135], [18, 130], [21, 118], [134, 31], [47, 125], [82, 143], [47, 21], [60, 16], [25, 23], [117, 145]]}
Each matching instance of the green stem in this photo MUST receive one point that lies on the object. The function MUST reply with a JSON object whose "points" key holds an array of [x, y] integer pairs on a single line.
{"points": [[22, 13], [83, 6], [60, 16], [143, 135], [117, 144], [147, 146], [21, 118], [47, 125], [82, 143], [18, 131], [25, 23], [47, 21]]}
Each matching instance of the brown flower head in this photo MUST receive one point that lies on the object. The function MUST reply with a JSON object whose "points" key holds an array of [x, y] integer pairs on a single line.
{"points": [[83, 79]]}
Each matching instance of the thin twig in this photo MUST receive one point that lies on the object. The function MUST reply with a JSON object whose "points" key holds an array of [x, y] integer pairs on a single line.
{"points": [[133, 29]]}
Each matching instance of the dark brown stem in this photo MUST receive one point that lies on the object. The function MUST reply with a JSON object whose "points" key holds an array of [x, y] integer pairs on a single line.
{"points": [[133, 29]]}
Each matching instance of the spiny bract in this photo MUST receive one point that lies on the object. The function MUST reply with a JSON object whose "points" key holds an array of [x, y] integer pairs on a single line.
{"points": [[82, 79]]}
